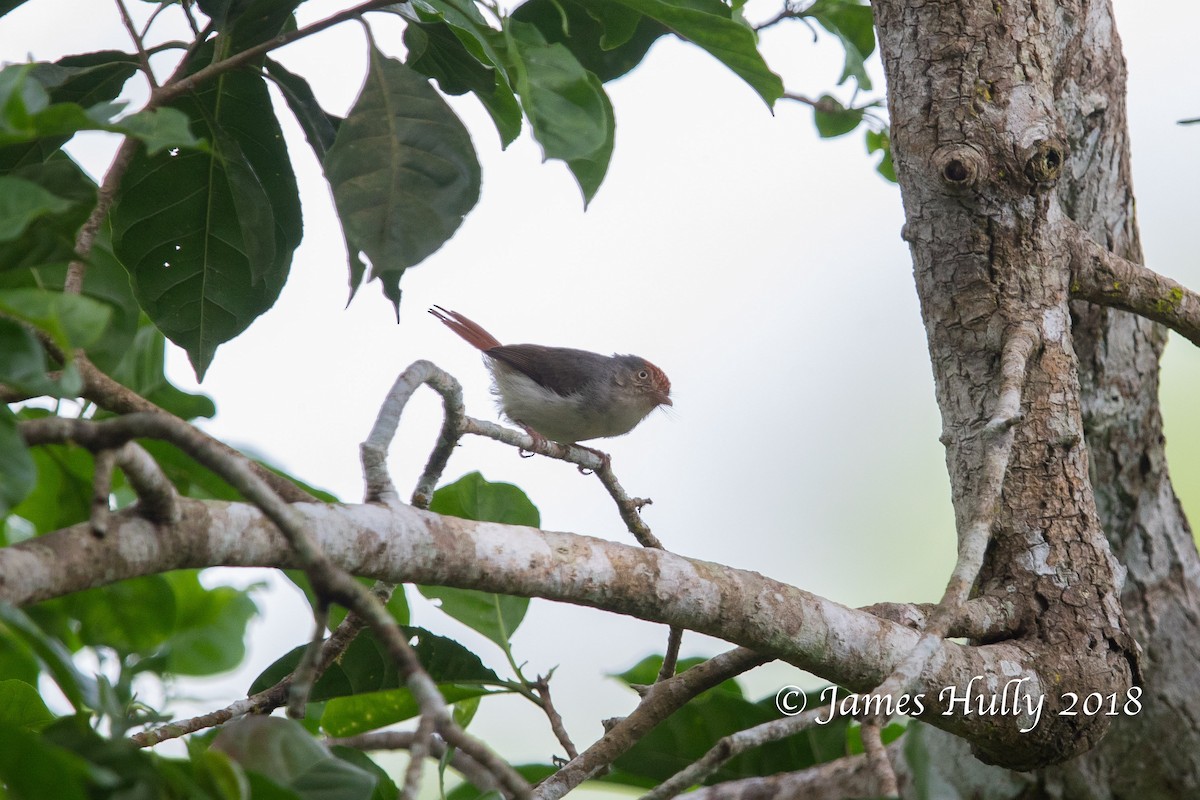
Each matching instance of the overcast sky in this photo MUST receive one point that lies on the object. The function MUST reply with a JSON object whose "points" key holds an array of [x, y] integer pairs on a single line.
{"points": [[759, 266]]}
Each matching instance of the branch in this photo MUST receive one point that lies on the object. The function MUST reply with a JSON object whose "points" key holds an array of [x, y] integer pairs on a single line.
{"points": [[1106, 279], [735, 744], [462, 763], [661, 701], [328, 579], [402, 544], [1019, 345], [871, 732], [174, 88]]}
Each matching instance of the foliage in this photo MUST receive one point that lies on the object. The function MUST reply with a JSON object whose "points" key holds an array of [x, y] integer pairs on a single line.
{"points": [[197, 244]]}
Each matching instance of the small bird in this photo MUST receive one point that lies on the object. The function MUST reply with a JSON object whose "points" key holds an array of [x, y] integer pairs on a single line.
{"points": [[563, 394]]}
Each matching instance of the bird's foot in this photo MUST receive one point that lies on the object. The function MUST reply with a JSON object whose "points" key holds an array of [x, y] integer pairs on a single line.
{"points": [[605, 459], [539, 442]]}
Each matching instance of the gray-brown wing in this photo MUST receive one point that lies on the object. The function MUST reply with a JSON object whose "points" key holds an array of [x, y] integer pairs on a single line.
{"points": [[561, 369]]}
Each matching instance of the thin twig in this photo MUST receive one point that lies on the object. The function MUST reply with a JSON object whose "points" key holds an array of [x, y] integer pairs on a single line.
{"points": [[661, 700], [469, 768], [268, 699], [86, 238], [102, 473], [306, 672], [1019, 345], [143, 57], [737, 743], [871, 732], [418, 750], [671, 657], [174, 88], [542, 688]]}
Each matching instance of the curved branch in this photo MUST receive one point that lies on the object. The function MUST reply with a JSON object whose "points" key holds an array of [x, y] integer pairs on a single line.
{"points": [[402, 544], [1106, 279]]}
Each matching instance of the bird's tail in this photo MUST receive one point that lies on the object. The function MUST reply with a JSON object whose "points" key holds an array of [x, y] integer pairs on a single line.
{"points": [[467, 329]]}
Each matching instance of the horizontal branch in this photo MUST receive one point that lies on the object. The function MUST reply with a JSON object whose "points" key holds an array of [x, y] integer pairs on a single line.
{"points": [[403, 544], [1106, 279]]}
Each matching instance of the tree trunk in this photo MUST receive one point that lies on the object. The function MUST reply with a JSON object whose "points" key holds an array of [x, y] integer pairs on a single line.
{"points": [[1008, 126]]}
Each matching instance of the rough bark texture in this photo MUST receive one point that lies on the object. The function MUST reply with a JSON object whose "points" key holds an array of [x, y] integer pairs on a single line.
{"points": [[1006, 118]]}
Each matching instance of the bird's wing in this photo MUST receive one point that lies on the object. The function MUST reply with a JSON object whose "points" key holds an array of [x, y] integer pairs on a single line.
{"points": [[561, 369]]}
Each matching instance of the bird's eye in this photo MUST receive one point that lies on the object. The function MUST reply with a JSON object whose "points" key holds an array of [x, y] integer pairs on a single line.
{"points": [[643, 375]]}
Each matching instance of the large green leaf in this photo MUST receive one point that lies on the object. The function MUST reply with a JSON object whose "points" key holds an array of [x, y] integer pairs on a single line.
{"points": [[22, 706], [62, 495], [70, 320], [208, 262], [434, 49], [710, 25], [563, 101], [607, 38], [131, 616], [32, 768], [347, 716], [854, 25], [79, 689], [27, 113], [367, 667], [209, 634], [17, 473], [283, 751], [44, 205], [403, 171]]}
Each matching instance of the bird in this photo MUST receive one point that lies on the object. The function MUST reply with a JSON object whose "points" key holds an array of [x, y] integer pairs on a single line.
{"points": [[562, 394]]}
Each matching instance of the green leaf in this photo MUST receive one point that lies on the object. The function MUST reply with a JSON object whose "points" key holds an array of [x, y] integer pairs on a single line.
{"points": [[833, 119], [158, 129], [474, 497], [141, 368], [367, 667], [854, 25], [436, 51], [881, 141], [645, 673], [41, 224], [130, 616], [209, 632], [22, 360], [709, 24], [607, 38], [70, 320], [21, 706], [402, 169], [354, 714], [496, 616], [563, 101], [31, 768], [283, 751], [87, 79], [385, 788], [29, 114], [22, 202], [207, 264], [17, 472], [319, 126], [62, 494], [79, 689], [589, 171]]}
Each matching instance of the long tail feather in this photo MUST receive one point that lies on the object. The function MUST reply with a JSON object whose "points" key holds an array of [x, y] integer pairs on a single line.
{"points": [[466, 328]]}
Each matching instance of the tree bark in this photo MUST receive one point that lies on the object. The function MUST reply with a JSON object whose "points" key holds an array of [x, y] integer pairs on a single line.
{"points": [[1009, 123]]}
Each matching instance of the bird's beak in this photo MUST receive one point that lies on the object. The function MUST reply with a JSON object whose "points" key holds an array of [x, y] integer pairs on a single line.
{"points": [[664, 400]]}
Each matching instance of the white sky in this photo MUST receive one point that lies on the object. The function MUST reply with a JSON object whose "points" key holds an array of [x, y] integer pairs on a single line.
{"points": [[761, 267]]}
